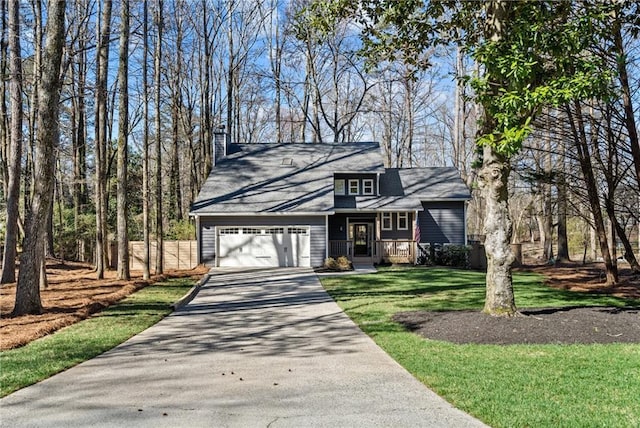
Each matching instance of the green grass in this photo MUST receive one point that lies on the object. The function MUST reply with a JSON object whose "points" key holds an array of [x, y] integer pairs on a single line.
{"points": [[79, 342], [504, 386]]}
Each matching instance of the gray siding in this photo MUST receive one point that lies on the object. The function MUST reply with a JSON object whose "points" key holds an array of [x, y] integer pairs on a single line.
{"points": [[207, 244], [442, 222], [317, 241]]}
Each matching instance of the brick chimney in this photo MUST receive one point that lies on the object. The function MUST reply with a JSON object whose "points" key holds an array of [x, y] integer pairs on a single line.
{"points": [[219, 144]]}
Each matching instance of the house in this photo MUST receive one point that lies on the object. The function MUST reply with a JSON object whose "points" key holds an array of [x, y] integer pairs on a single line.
{"points": [[296, 204]]}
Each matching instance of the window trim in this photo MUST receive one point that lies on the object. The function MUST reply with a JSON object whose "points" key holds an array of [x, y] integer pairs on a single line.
{"points": [[403, 216], [357, 183], [367, 182], [386, 216], [339, 183]]}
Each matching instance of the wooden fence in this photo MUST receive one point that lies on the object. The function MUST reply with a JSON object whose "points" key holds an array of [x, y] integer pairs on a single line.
{"points": [[176, 255]]}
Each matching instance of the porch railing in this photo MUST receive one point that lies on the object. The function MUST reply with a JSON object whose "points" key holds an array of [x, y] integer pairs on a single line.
{"points": [[340, 248], [389, 250], [396, 251]]}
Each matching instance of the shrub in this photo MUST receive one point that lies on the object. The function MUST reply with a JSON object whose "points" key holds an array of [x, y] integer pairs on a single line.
{"points": [[340, 264], [445, 255]]}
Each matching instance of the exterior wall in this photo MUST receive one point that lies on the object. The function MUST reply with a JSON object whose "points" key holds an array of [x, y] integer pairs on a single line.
{"points": [[208, 225], [340, 220], [442, 222]]}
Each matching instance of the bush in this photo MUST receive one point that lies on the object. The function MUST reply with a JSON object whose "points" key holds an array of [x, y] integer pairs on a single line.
{"points": [[340, 264], [181, 230], [445, 255]]}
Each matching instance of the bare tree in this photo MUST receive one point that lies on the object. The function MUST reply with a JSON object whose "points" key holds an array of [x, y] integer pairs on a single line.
{"points": [[627, 102], [123, 134], [102, 65], [578, 128], [145, 143], [159, 18], [4, 115], [28, 287], [79, 122], [14, 154]]}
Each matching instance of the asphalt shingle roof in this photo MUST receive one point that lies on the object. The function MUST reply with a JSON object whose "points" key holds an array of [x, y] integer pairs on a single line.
{"points": [[282, 178], [297, 178]]}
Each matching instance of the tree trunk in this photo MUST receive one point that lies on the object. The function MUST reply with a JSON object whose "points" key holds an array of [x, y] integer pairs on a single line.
{"points": [[561, 186], [157, 73], [14, 154], [4, 115], [102, 65], [79, 140], [230, 72], [547, 204], [48, 135], [629, 116], [584, 158], [146, 272], [28, 175], [621, 233], [493, 179], [207, 126], [123, 134]]}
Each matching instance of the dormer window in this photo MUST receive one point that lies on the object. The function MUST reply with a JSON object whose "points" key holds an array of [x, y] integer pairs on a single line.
{"points": [[367, 186], [338, 187], [354, 187]]}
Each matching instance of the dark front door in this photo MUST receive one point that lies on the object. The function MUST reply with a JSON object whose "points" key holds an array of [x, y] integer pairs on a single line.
{"points": [[361, 239]]}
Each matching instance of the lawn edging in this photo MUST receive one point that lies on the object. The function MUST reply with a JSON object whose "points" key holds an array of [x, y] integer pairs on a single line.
{"points": [[184, 300]]}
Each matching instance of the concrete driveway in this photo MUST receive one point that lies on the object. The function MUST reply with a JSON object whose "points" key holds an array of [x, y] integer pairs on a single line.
{"points": [[255, 348]]}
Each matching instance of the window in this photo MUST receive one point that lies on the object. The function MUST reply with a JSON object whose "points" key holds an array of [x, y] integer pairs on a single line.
{"points": [[338, 187], [229, 231], [274, 231], [367, 187], [403, 221], [354, 187], [298, 231], [386, 221]]}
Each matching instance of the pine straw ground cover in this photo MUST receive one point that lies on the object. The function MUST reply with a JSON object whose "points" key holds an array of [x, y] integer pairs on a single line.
{"points": [[73, 294]]}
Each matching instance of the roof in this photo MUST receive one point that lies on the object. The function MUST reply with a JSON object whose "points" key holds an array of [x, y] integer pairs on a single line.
{"points": [[297, 178], [287, 178]]}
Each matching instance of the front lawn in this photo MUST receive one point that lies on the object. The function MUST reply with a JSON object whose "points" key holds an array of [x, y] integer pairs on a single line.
{"points": [[504, 386], [86, 339]]}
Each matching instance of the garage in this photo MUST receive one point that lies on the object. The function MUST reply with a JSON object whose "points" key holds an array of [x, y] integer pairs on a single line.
{"points": [[263, 246]]}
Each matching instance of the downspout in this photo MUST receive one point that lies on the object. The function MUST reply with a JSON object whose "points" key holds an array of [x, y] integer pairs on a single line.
{"points": [[465, 222], [198, 239], [326, 236], [417, 247]]}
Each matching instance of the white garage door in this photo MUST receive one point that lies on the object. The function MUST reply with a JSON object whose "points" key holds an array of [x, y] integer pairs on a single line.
{"points": [[266, 246]]}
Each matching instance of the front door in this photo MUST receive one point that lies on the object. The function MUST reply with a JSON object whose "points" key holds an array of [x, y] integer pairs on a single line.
{"points": [[361, 233]]}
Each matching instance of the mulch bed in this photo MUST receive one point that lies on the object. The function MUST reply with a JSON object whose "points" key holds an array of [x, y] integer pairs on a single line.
{"points": [[543, 325], [535, 326]]}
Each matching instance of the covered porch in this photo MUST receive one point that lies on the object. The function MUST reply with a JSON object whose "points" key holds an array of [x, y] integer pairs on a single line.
{"points": [[389, 251], [373, 237]]}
